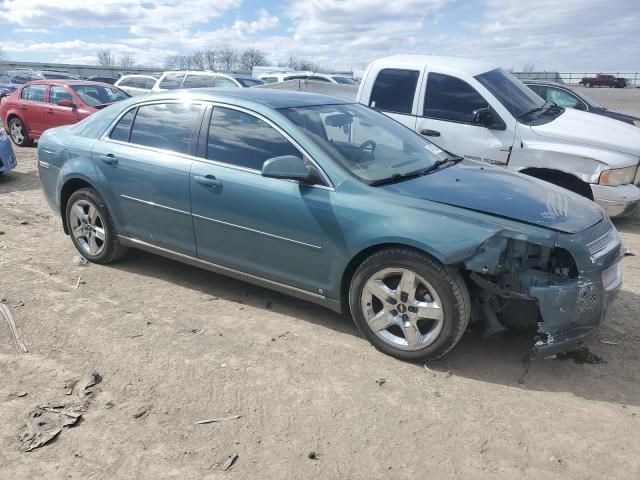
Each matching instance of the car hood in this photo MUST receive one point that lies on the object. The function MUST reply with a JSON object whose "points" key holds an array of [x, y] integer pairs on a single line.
{"points": [[585, 128], [623, 117], [495, 191]]}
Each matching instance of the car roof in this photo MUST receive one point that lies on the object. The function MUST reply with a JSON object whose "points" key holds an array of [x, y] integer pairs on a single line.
{"points": [[62, 81], [249, 97], [465, 65], [135, 75]]}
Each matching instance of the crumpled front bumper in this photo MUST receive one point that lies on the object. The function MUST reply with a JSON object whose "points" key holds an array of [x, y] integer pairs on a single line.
{"points": [[572, 311]]}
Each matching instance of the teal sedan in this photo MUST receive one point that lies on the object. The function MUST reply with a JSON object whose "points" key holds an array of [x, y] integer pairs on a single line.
{"points": [[332, 202]]}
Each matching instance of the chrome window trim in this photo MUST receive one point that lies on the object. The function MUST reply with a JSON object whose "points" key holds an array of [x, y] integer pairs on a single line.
{"points": [[260, 232], [105, 137]]}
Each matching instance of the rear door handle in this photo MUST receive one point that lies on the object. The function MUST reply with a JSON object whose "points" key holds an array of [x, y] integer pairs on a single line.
{"points": [[109, 159], [429, 133], [208, 181]]}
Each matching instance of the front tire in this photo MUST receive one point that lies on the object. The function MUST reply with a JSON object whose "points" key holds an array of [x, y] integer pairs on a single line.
{"points": [[91, 227], [18, 133], [408, 305]]}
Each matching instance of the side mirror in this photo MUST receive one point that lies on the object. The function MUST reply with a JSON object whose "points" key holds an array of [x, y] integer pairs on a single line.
{"points": [[66, 103], [288, 167], [482, 116]]}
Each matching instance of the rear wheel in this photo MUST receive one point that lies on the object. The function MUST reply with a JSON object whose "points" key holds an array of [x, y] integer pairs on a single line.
{"points": [[587, 85], [91, 227], [18, 133], [408, 305]]}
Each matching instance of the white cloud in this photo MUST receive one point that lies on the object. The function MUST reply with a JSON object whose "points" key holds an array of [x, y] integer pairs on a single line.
{"points": [[265, 21]]}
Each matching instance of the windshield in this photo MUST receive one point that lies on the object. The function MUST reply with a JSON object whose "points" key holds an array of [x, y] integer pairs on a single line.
{"points": [[368, 144], [249, 82], [344, 80], [94, 95], [510, 92]]}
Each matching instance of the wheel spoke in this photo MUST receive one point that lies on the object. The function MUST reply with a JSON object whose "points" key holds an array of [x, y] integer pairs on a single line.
{"points": [[99, 233], [92, 214], [93, 246], [79, 212], [428, 310], [378, 289], [381, 321], [411, 334], [78, 231], [408, 284]]}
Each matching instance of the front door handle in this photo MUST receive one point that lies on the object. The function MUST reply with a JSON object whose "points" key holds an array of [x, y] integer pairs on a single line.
{"points": [[109, 159], [208, 181], [429, 133]]}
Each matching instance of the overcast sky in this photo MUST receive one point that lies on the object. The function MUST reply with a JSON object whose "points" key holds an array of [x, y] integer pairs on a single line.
{"points": [[565, 35]]}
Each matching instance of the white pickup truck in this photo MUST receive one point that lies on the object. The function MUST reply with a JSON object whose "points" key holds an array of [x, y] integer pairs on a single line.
{"points": [[479, 111]]}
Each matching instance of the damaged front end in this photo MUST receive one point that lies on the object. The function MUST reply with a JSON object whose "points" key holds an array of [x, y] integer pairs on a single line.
{"points": [[561, 283]]}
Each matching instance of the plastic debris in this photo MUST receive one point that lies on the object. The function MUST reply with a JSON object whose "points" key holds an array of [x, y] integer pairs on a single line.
{"points": [[230, 461], [90, 381], [142, 411], [6, 313], [79, 260], [216, 420], [45, 422], [381, 381], [312, 455]]}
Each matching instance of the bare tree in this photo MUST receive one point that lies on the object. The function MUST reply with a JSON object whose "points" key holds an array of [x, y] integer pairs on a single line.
{"points": [[252, 57], [300, 64], [197, 60], [227, 58], [211, 58], [106, 58], [127, 61], [529, 67]]}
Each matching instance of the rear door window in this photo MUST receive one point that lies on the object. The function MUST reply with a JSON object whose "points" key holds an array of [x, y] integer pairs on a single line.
{"points": [[240, 139], [172, 81], [34, 93], [137, 82], [199, 81], [449, 98], [125, 82], [149, 83], [394, 90], [166, 126], [123, 128]]}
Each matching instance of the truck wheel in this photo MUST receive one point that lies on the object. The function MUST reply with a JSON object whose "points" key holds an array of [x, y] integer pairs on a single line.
{"points": [[587, 85], [408, 305]]}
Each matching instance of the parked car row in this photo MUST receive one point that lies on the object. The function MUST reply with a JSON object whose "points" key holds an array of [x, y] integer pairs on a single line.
{"points": [[317, 77]]}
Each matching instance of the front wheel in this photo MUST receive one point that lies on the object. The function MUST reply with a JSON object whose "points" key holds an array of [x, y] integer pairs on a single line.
{"points": [[91, 227], [408, 305]]}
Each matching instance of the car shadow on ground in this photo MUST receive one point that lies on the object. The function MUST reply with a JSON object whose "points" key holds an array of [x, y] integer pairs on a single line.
{"points": [[503, 361], [13, 181]]}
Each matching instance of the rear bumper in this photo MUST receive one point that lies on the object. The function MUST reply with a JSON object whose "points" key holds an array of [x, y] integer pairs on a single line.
{"points": [[619, 201]]}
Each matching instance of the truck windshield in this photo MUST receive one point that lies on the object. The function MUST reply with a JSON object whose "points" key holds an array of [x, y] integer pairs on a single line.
{"points": [[370, 145], [510, 92]]}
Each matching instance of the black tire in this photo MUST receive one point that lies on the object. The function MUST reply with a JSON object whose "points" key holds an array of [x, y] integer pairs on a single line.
{"points": [[587, 85], [112, 248], [449, 287], [15, 122]]}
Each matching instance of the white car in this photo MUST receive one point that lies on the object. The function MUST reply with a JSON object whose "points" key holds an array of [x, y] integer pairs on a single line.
{"points": [[176, 80], [479, 111], [136, 84], [318, 77]]}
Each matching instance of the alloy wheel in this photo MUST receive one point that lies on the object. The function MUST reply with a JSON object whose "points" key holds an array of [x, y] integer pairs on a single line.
{"points": [[16, 132], [87, 227], [402, 308]]}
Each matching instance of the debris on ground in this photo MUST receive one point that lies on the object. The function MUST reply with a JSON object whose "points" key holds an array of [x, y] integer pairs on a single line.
{"points": [[230, 461], [216, 420], [21, 394], [142, 411], [109, 405], [608, 342], [6, 313], [88, 382], [268, 305], [197, 331], [629, 253], [69, 385], [380, 381], [581, 356], [312, 455], [46, 421], [284, 335], [79, 260], [443, 371], [24, 222], [78, 282]]}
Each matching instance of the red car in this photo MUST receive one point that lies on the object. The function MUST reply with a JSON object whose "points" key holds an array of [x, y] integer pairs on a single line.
{"points": [[42, 104]]}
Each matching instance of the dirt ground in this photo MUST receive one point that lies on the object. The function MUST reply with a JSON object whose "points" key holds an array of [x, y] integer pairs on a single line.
{"points": [[186, 345]]}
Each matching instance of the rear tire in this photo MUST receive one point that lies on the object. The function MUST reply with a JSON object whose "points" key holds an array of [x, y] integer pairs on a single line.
{"points": [[18, 133], [408, 305], [91, 227]]}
